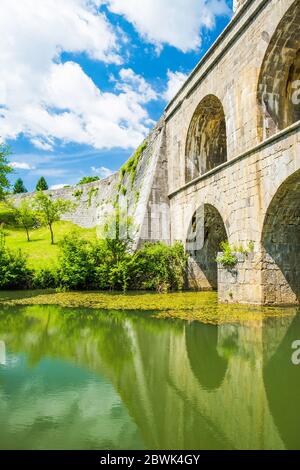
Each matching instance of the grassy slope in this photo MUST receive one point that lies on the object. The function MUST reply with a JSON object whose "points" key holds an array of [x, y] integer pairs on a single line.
{"points": [[39, 251]]}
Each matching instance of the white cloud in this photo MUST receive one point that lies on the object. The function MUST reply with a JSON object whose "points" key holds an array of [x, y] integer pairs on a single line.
{"points": [[42, 145], [21, 166], [103, 172], [175, 81], [54, 187], [174, 22], [51, 102], [47, 100]]}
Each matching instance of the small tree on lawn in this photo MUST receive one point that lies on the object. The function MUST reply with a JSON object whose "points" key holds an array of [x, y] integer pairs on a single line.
{"points": [[41, 184], [26, 217], [50, 210], [5, 169], [19, 187]]}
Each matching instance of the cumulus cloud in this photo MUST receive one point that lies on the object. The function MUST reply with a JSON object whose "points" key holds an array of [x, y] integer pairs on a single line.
{"points": [[21, 166], [42, 145], [178, 23], [49, 101], [54, 187], [174, 83], [103, 172]]}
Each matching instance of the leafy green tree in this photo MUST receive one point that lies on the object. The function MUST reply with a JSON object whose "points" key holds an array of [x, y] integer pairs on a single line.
{"points": [[41, 184], [26, 217], [50, 210], [89, 179], [19, 187], [5, 170]]}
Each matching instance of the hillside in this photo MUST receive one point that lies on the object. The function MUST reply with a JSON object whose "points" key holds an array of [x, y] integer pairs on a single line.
{"points": [[39, 250]]}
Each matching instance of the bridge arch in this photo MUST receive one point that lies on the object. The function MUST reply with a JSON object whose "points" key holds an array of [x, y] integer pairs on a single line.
{"points": [[281, 244], [206, 143], [205, 234], [202, 350], [279, 81]]}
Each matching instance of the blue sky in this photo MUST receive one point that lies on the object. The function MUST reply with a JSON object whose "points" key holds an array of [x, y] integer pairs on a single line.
{"points": [[86, 79]]}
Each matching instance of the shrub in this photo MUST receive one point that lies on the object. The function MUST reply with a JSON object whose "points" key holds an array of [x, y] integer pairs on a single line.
{"points": [[110, 264], [227, 258], [114, 264], [76, 263], [160, 267], [45, 279], [88, 179], [14, 273]]}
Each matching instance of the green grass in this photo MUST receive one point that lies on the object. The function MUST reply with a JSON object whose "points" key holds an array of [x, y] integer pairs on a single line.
{"points": [[39, 250]]}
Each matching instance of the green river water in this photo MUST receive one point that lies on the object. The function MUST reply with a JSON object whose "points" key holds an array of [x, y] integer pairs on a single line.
{"points": [[89, 379]]}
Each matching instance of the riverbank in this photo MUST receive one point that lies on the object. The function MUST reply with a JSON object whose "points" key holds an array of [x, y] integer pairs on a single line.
{"points": [[190, 306]]}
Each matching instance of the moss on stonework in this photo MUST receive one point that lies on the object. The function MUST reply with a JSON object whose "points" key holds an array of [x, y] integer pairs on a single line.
{"points": [[78, 194], [92, 193], [129, 168]]}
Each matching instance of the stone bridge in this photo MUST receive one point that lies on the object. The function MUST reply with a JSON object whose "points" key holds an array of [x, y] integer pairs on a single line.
{"points": [[223, 163], [233, 156]]}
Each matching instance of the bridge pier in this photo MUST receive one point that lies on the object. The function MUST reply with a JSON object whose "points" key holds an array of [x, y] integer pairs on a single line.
{"points": [[257, 279]]}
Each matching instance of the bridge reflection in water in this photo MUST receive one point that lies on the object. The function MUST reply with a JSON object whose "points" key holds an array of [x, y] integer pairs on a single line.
{"points": [[160, 384]]}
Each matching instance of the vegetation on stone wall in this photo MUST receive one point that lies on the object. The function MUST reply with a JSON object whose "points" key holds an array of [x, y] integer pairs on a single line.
{"points": [[92, 192], [228, 257], [88, 179], [78, 194], [129, 168]]}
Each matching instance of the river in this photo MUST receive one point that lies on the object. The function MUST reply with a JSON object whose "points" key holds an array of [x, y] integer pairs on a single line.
{"points": [[73, 378]]}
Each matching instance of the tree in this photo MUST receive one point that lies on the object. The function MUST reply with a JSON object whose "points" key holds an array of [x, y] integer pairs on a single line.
{"points": [[41, 184], [89, 179], [26, 217], [50, 210], [5, 169], [19, 187]]}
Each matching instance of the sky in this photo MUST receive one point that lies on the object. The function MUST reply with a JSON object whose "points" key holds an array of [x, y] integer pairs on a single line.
{"points": [[82, 82]]}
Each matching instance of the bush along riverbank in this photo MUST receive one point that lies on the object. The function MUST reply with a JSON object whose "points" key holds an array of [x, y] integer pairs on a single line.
{"points": [[107, 264]]}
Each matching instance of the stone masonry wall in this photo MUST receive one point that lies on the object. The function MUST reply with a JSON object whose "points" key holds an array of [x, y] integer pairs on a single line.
{"points": [[242, 283], [145, 201]]}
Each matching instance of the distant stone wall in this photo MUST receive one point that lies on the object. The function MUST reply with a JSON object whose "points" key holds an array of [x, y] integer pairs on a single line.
{"points": [[142, 194], [88, 197]]}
